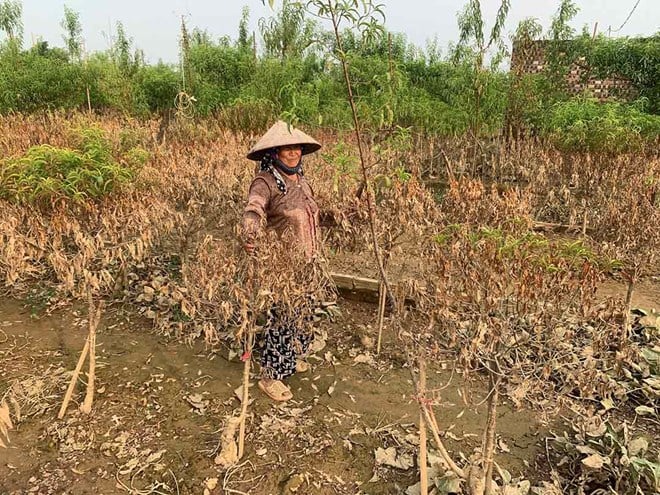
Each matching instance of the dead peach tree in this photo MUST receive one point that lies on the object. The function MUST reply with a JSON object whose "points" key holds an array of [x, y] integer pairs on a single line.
{"points": [[76, 235], [233, 293], [505, 304], [625, 220]]}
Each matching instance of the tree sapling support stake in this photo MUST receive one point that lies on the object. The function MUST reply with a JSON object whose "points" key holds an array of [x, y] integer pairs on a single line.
{"points": [[421, 397], [94, 319], [247, 360]]}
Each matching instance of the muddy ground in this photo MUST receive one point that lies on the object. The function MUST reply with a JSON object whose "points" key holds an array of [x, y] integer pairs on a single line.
{"points": [[160, 407]]}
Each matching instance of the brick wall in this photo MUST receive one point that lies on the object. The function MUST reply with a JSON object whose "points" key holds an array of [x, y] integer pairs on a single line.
{"points": [[530, 58]]}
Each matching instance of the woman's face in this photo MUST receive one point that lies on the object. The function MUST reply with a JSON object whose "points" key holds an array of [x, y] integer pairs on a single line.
{"points": [[290, 155]]}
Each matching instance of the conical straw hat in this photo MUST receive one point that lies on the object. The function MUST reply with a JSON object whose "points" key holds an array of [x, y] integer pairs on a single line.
{"points": [[282, 134]]}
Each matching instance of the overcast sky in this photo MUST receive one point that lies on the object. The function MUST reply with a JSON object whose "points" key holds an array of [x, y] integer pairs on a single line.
{"points": [[154, 24]]}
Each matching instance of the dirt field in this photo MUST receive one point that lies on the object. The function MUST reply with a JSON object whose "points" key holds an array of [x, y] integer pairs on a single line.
{"points": [[156, 420]]}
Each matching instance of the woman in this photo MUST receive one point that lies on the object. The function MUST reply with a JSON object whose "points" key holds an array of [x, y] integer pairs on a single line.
{"points": [[281, 199]]}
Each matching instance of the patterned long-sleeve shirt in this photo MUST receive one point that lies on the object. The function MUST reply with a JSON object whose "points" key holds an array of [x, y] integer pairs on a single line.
{"points": [[295, 212]]}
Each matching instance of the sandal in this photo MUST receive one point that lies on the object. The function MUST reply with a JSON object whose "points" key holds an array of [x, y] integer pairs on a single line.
{"points": [[276, 390], [302, 366]]}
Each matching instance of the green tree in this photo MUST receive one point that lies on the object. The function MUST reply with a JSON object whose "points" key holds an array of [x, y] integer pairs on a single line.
{"points": [[560, 52], [222, 71], [121, 51], [11, 21], [184, 56], [289, 33], [523, 97], [560, 30], [40, 78], [244, 38], [73, 39], [473, 40], [158, 85]]}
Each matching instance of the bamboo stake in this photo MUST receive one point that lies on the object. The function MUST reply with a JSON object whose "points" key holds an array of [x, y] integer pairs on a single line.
{"points": [[423, 471], [94, 319], [253, 283], [89, 101]]}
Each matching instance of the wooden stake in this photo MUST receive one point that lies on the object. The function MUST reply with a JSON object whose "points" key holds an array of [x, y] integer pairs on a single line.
{"points": [[246, 394], [94, 319], [74, 379], [381, 315], [489, 434], [89, 101], [423, 473], [253, 283]]}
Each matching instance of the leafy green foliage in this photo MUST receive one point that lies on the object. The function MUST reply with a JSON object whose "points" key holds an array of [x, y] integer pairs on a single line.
{"points": [[395, 83], [586, 125], [73, 33], [158, 86], [11, 22], [45, 174], [635, 59], [41, 78], [289, 33]]}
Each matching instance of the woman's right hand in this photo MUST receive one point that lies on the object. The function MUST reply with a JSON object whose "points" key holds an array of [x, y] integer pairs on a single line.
{"points": [[249, 247]]}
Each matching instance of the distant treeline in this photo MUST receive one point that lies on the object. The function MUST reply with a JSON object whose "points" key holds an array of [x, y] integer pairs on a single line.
{"points": [[287, 69]]}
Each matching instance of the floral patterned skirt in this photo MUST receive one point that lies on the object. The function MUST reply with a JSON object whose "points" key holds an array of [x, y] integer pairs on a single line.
{"points": [[280, 346]]}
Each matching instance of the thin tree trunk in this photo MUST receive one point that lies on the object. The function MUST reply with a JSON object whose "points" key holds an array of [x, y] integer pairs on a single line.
{"points": [[435, 431], [365, 179], [489, 434], [627, 323]]}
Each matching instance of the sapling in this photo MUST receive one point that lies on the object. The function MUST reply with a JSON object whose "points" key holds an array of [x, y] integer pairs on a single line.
{"points": [[492, 297], [363, 15]]}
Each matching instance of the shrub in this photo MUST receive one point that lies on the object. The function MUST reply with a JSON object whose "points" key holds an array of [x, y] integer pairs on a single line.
{"points": [[38, 79], [248, 115], [586, 125], [159, 85], [46, 174]]}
